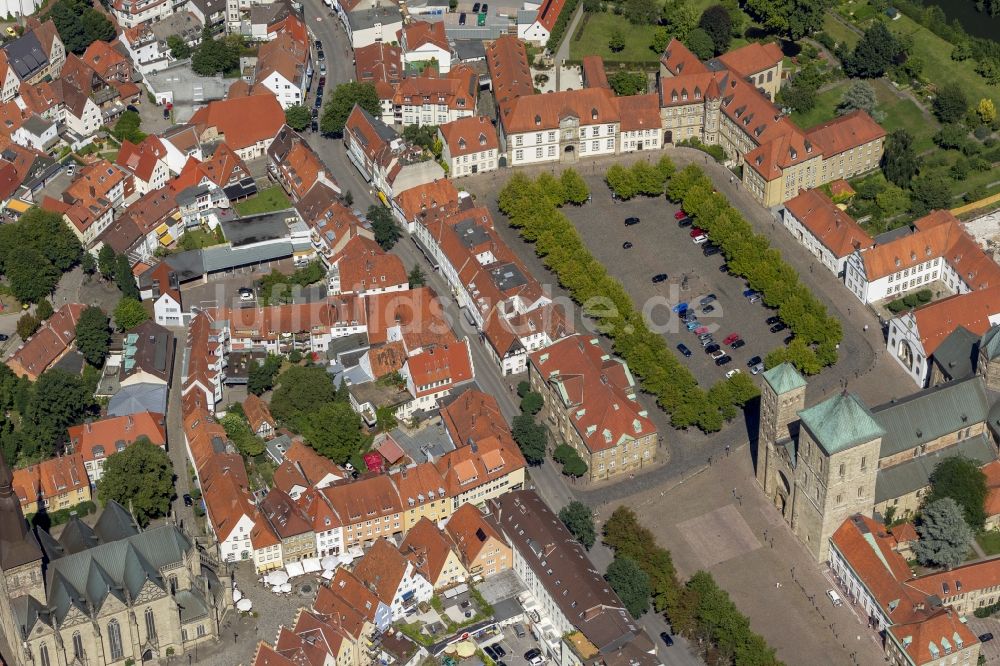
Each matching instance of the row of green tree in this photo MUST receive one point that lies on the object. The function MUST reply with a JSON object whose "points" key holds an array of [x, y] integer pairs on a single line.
{"points": [[532, 207], [80, 24], [643, 574], [642, 178], [817, 335], [277, 288], [531, 437]]}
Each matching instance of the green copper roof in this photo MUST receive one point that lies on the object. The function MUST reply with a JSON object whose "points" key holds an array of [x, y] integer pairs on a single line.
{"points": [[991, 342], [784, 378], [841, 422]]}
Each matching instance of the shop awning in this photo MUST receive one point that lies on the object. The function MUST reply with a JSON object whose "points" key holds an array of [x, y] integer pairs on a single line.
{"points": [[166, 240], [18, 206], [162, 229]]}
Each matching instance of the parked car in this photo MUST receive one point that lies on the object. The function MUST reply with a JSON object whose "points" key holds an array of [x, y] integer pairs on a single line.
{"points": [[704, 335], [707, 342], [318, 44], [660, 277], [717, 354], [461, 18], [731, 338], [682, 348], [701, 330], [754, 298], [684, 222], [486, 8], [689, 316], [771, 321], [666, 638], [320, 55], [722, 360], [629, 221], [315, 113], [732, 373], [707, 299], [680, 215], [133, 108], [4, 337], [780, 326], [986, 638], [627, 245], [710, 250], [712, 348], [754, 361], [533, 656], [71, 168], [499, 650], [737, 344], [756, 368], [188, 501], [314, 125], [696, 231], [707, 309], [680, 308], [491, 652], [693, 324], [475, 8], [10, 31], [322, 81], [700, 239], [319, 101]]}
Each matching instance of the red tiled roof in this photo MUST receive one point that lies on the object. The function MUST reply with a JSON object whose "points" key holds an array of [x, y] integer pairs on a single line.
{"points": [[594, 74], [283, 514], [507, 61], [141, 159], [538, 112], [48, 344], [942, 626], [678, 59], [549, 12], [639, 112], [992, 472], [51, 478], [244, 121], [834, 228], [349, 599], [428, 199], [382, 569], [313, 465], [419, 33], [845, 132], [257, 412], [473, 134], [752, 58], [427, 548], [365, 266], [599, 392], [102, 437], [353, 501], [378, 62], [469, 467], [470, 531]]}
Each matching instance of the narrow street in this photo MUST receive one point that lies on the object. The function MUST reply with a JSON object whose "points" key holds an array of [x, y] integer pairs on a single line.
{"points": [[175, 436]]}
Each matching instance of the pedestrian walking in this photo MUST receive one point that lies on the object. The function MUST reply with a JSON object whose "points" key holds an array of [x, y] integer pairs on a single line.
{"points": [[727, 450], [866, 327], [734, 492]]}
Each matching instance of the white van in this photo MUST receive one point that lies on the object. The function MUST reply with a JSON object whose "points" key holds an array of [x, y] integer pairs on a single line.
{"points": [[834, 597]]}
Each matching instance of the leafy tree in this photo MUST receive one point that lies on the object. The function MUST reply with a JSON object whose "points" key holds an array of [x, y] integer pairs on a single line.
{"points": [[661, 38], [298, 117], [621, 181], [124, 278], [385, 418], [31, 277], [55, 402], [127, 127], [106, 262], [532, 403], [628, 83], [575, 466], [874, 53], [27, 325], [945, 537], [792, 18], [642, 12], [860, 95], [239, 433], [700, 43], [215, 56], [892, 200], [987, 111], [140, 478], [961, 479], [718, 24], [425, 136], [577, 518], [93, 335], [574, 186], [334, 430], [931, 191], [301, 390], [345, 96], [261, 376], [530, 437], [630, 583], [80, 25], [384, 226], [129, 313], [43, 310], [678, 19], [416, 277], [899, 158], [88, 263], [616, 42], [951, 103], [178, 47], [952, 135], [800, 97]]}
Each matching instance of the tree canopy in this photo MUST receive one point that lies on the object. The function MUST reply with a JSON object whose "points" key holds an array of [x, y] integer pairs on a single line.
{"points": [[261, 375], [628, 83], [577, 518], [793, 19], [342, 101], [384, 227], [859, 95], [239, 433], [961, 479], [129, 313], [874, 53], [80, 25], [951, 103], [35, 251], [140, 478], [93, 335], [630, 583], [334, 430], [216, 56], [301, 390], [530, 437], [899, 159], [127, 127], [642, 12], [945, 537], [700, 43], [574, 187], [718, 24], [178, 47], [298, 117]]}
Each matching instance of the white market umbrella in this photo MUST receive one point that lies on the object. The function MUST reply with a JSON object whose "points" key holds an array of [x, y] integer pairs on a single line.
{"points": [[279, 577], [328, 574], [244, 605], [286, 588], [237, 595], [329, 562]]}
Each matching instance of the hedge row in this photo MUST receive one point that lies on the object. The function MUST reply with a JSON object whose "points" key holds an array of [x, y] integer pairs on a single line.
{"points": [[817, 335], [559, 29], [532, 210]]}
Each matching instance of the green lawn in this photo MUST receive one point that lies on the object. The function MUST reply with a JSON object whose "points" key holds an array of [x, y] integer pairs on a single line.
{"points": [[826, 103], [598, 31], [839, 31], [939, 68], [990, 542], [265, 201], [904, 113], [195, 239]]}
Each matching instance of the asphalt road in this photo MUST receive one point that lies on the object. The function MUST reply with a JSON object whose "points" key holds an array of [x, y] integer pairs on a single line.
{"points": [[546, 479]]}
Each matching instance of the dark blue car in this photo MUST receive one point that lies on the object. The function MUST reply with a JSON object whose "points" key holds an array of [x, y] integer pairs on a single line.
{"points": [[682, 348]]}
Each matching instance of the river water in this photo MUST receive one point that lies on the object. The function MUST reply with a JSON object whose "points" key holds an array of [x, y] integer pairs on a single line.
{"points": [[976, 23]]}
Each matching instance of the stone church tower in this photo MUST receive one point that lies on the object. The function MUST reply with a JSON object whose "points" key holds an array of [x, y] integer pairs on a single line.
{"points": [[20, 562], [819, 464]]}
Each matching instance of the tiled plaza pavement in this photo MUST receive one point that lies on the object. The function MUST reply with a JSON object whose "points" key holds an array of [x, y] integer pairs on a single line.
{"points": [[705, 525]]}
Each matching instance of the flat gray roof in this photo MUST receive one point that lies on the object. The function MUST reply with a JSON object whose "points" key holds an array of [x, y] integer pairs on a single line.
{"points": [[258, 228]]}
